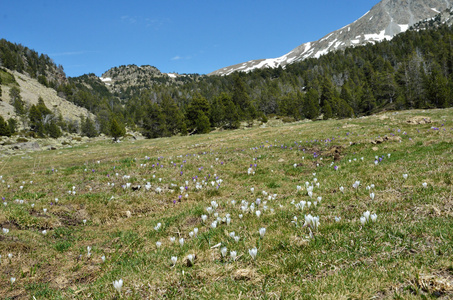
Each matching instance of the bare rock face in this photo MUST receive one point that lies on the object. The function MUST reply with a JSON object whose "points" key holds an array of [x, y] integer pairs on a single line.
{"points": [[385, 20]]}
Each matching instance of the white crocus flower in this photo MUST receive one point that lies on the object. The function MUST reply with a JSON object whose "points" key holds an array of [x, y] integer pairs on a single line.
{"points": [[362, 220], [204, 218], [191, 257], [223, 251], [253, 252], [118, 284], [367, 215]]}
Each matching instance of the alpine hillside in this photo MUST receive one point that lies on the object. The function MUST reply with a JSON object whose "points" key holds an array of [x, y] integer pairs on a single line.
{"points": [[126, 80], [385, 20]]}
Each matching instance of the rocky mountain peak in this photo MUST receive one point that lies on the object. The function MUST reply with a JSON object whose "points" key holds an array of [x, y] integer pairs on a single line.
{"points": [[385, 20]]}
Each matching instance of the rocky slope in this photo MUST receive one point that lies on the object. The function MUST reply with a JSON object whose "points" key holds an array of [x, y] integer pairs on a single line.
{"points": [[124, 79], [31, 90], [385, 20]]}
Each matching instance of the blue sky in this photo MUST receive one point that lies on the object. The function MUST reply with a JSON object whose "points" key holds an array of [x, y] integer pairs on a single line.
{"points": [[183, 36]]}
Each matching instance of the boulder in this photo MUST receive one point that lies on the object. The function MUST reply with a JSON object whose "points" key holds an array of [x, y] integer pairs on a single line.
{"points": [[26, 146]]}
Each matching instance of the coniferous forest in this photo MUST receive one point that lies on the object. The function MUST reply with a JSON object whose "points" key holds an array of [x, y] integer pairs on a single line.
{"points": [[413, 70]]}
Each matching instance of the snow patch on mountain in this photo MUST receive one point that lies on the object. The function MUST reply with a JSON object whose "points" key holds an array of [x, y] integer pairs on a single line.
{"points": [[385, 20]]}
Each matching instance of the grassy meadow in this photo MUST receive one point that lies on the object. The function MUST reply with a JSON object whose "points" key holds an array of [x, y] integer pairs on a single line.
{"points": [[341, 219]]}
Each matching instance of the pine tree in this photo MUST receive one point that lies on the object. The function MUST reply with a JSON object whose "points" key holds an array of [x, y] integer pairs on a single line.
{"points": [[117, 130], [154, 124], [196, 114], [4, 128], [231, 120], [241, 98], [218, 110], [202, 123], [174, 119], [88, 128], [344, 110], [368, 103], [16, 100], [327, 111], [53, 130], [437, 88], [311, 106], [12, 124]]}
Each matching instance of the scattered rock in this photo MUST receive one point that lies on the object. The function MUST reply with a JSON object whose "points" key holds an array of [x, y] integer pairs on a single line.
{"points": [[386, 139], [375, 148], [419, 120], [349, 126], [243, 274], [26, 146], [335, 151]]}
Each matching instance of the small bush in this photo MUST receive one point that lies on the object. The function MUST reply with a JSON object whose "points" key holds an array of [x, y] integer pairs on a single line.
{"points": [[288, 119], [21, 140]]}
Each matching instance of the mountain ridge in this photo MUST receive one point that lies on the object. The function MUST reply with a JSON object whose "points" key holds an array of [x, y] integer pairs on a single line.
{"points": [[382, 22]]}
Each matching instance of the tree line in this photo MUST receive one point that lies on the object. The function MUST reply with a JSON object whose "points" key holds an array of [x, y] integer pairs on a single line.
{"points": [[413, 70]]}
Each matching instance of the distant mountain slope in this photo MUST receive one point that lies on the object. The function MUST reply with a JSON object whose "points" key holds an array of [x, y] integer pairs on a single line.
{"points": [[385, 20], [124, 81]]}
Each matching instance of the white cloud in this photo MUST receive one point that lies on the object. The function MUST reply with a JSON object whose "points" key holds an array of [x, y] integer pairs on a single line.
{"points": [[177, 57]]}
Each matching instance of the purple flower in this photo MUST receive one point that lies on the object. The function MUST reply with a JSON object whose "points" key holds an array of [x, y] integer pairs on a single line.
{"points": [[335, 168]]}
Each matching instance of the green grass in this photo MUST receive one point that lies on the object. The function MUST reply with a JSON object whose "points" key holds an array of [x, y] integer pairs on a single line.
{"points": [[406, 254]]}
